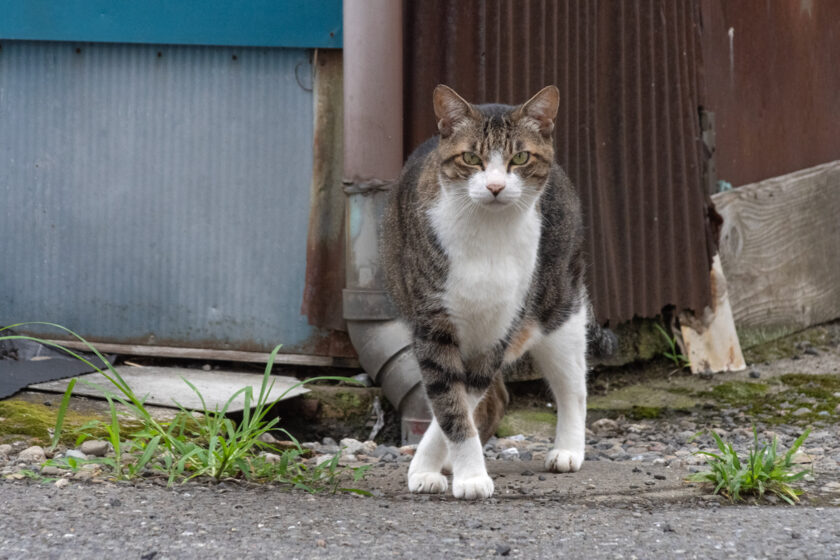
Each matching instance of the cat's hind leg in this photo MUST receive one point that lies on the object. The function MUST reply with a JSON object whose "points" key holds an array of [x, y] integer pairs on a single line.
{"points": [[560, 358]]}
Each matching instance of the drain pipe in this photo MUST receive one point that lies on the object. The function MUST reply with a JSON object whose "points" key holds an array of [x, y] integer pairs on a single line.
{"points": [[373, 157]]}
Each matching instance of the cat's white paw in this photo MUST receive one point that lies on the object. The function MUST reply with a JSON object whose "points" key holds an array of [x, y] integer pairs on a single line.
{"points": [[563, 460], [427, 483], [473, 487]]}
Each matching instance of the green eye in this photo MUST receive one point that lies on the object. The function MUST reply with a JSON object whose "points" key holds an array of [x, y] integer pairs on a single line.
{"points": [[520, 158], [470, 158]]}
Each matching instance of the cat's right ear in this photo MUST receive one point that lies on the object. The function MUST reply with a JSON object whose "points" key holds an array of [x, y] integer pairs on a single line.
{"points": [[450, 109]]}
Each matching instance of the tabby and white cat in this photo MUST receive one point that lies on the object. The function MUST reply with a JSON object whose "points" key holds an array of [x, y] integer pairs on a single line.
{"points": [[482, 247]]}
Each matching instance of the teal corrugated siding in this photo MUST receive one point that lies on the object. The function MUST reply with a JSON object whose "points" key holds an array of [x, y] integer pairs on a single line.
{"points": [[254, 23], [156, 195]]}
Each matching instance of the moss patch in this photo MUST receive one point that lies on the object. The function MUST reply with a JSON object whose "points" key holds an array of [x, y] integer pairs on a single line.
{"points": [[798, 399], [738, 392], [34, 421], [647, 401], [527, 421]]}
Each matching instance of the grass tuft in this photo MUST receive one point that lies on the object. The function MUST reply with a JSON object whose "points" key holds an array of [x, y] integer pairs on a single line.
{"points": [[207, 444], [762, 471], [673, 354]]}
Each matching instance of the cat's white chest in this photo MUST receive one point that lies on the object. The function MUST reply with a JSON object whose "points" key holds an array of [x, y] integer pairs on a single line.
{"points": [[492, 258]]}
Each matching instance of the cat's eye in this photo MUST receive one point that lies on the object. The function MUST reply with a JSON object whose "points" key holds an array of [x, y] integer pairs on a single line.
{"points": [[470, 158], [520, 158]]}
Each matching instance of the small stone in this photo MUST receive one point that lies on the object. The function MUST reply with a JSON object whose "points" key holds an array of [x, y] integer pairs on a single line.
{"points": [[321, 543], [801, 411], [526, 455], [319, 459], [34, 454], [502, 549], [659, 476], [76, 454], [52, 471], [386, 453], [97, 448], [795, 535], [810, 352], [206, 367], [509, 454], [61, 483], [329, 441], [5, 449], [832, 487], [363, 379], [802, 458], [270, 457], [351, 446], [605, 426], [266, 437], [542, 477], [114, 502], [667, 528], [755, 374]]}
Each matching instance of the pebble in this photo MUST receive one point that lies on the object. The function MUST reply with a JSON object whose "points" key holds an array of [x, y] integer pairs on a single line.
{"points": [[61, 483], [5, 449], [801, 411], [270, 457], [95, 447], [755, 374], [75, 453], [509, 454], [351, 446], [604, 426], [34, 454]]}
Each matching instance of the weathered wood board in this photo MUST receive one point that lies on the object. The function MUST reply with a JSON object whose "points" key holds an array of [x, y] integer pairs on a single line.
{"points": [[780, 248]]}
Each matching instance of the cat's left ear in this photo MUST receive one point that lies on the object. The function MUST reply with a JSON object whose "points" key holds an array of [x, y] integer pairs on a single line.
{"points": [[543, 109]]}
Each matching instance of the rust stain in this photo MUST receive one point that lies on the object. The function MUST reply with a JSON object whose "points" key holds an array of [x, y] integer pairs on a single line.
{"points": [[325, 273]]}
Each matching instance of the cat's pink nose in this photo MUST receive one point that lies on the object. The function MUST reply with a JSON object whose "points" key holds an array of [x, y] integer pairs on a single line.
{"points": [[495, 189]]}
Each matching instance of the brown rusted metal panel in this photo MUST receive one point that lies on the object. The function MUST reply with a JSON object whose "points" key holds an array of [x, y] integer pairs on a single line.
{"points": [[772, 77], [325, 238], [325, 276], [628, 131]]}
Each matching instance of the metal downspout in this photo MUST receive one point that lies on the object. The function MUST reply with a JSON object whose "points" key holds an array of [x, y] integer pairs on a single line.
{"points": [[373, 157]]}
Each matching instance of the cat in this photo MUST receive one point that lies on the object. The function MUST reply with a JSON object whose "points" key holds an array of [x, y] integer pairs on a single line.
{"points": [[482, 251]]}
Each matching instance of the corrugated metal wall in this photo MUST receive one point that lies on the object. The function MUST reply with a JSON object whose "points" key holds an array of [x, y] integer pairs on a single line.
{"points": [[772, 77], [627, 133], [157, 194]]}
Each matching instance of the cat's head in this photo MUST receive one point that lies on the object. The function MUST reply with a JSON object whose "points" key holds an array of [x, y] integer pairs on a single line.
{"points": [[495, 156]]}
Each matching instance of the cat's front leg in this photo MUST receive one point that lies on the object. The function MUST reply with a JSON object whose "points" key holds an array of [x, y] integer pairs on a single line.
{"points": [[424, 474]]}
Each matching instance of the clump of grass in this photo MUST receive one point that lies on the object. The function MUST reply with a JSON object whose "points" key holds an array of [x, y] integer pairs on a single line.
{"points": [[208, 444], [763, 471], [673, 354]]}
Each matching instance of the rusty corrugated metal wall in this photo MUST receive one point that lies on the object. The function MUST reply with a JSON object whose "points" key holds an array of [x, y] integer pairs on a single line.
{"points": [[772, 78], [627, 133]]}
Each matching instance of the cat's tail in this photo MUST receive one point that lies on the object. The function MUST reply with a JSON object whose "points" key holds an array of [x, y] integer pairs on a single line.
{"points": [[601, 342]]}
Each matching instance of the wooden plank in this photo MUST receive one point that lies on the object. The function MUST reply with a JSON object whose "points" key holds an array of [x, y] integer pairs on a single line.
{"points": [[780, 248], [211, 354]]}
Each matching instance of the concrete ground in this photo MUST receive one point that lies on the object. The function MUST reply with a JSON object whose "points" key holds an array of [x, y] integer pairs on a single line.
{"points": [[625, 503]]}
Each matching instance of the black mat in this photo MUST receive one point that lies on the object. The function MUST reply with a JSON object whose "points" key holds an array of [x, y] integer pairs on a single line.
{"points": [[23, 362]]}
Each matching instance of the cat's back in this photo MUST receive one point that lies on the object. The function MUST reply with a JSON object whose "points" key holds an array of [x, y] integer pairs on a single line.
{"points": [[405, 238]]}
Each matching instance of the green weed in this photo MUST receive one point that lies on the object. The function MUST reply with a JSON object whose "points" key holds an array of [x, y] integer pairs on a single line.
{"points": [[763, 470], [679, 359], [207, 444]]}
